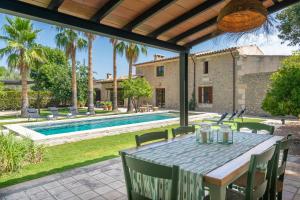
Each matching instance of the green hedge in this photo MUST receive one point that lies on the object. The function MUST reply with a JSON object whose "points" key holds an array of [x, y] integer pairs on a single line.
{"points": [[11, 100]]}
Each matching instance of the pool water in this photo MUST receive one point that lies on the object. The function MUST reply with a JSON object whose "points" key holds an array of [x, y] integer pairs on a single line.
{"points": [[67, 127]]}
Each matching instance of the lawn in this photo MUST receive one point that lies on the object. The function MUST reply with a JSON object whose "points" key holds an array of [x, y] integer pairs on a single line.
{"points": [[67, 156], [62, 111]]}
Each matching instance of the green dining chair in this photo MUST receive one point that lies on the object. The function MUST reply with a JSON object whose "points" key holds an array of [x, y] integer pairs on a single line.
{"points": [[282, 149], [148, 169], [255, 127], [183, 130], [148, 137], [257, 187]]}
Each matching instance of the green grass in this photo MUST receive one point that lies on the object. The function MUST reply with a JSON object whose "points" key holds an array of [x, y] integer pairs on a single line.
{"points": [[67, 156], [62, 111]]}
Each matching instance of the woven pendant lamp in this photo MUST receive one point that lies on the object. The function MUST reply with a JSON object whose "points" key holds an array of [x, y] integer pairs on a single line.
{"points": [[242, 16]]}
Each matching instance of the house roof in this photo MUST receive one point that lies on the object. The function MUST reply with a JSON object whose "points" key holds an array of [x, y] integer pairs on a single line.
{"points": [[202, 54], [110, 80], [171, 24]]}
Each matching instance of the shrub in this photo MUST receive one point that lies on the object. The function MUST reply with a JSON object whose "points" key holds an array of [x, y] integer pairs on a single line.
{"points": [[16, 152], [11, 100]]}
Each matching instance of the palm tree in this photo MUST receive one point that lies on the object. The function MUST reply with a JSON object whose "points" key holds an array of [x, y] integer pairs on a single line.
{"points": [[70, 41], [21, 51], [132, 53], [118, 47], [91, 37]]}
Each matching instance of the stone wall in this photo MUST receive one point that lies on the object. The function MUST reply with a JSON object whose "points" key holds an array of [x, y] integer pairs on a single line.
{"points": [[256, 86]]}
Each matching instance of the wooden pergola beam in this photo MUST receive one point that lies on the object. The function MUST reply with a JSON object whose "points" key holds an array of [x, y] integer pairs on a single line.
{"points": [[182, 18], [105, 10], [147, 14], [55, 4], [22, 9]]}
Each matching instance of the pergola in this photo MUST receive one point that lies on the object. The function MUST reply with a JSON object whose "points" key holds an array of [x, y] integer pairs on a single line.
{"points": [[175, 25]]}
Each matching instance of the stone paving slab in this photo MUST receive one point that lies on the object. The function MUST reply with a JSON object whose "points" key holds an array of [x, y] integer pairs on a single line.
{"points": [[105, 181]]}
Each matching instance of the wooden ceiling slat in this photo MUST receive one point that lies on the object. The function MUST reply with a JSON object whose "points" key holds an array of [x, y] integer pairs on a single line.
{"points": [[277, 5], [193, 30], [105, 10], [147, 14], [191, 13], [55, 4]]}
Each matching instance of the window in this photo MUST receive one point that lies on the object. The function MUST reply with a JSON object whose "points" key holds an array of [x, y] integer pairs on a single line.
{"points": [[160, 71], [205, 95], [205, 67]]}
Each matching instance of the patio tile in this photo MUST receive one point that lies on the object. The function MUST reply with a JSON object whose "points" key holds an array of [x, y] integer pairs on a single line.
{"points": [[64, 195], [41, 196], [88, 195], [112, 195], [34, 190], [16, 196], [290, 188], [80, 189], [72, 185], [287, 195], [51, 185], [103, 190], [116, 184], [123, 190]]}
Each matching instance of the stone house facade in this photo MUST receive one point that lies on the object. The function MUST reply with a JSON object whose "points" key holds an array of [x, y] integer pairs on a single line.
{"points": [[223, 81]]}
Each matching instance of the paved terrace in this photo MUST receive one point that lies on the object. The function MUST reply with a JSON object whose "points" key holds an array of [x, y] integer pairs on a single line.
{"points": [[105, 180]]}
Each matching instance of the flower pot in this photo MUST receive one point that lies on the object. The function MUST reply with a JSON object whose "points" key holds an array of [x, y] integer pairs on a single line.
{"points": [[109, 107], [105, 108]]}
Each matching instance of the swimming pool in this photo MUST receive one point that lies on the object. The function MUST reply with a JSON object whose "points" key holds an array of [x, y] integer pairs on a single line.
{"points": [[56, 127]]}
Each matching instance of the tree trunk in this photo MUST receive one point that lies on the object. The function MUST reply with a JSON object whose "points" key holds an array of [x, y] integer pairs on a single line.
{"points": [[129, 107], [115, 83], [74, 83], [24, 101], [90, 78]]}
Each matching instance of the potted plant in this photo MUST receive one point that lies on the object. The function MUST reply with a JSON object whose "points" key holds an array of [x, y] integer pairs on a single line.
{"points": [[104, 105], [109, 105]]}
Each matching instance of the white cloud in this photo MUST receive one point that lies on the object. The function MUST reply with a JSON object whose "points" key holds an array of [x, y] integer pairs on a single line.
{"points": [[270, 45]]}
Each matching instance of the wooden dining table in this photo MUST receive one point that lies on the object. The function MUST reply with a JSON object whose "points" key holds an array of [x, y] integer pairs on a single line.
{"points": [[219, 178]]}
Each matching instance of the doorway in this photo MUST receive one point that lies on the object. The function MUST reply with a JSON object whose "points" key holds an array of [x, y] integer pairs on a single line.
{"points": [[160, 97]]}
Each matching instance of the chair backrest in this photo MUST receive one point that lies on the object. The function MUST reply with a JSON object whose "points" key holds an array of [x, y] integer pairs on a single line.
{"points": [[232, 115], [183, 130], [147, 137], [242, 112], [254, 126], [53, 110], [148, 169], [32, 113], [282, 148], [267, 160], [73, 110], [223, 116]]}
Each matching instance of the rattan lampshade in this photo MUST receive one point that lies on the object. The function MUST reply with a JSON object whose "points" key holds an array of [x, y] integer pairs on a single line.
{"points": [[242, 16]]}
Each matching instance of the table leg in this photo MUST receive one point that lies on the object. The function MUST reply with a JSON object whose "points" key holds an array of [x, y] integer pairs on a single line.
{"points": [[217, 192]]}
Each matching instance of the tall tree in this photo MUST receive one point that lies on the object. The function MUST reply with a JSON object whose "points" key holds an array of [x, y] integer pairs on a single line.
{"points": [[71, 41], [289, 26], [21, 51], [118, 47], [91, 37], [132, 53]]}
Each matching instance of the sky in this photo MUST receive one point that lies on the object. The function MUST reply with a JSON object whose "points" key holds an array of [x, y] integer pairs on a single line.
{"points": [[102, 49]]}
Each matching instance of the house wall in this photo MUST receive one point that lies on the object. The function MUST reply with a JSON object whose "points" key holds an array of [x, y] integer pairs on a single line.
{"points": [[252, 79]]}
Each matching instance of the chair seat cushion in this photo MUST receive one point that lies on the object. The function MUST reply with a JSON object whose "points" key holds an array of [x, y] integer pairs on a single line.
{"points": [[242, 181]]}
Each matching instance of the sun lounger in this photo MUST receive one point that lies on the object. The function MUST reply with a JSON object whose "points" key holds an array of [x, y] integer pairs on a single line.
{"points": [[73, 112], [217, 120], [32, 113], [55, 113]]}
